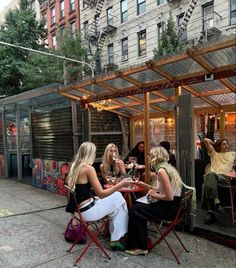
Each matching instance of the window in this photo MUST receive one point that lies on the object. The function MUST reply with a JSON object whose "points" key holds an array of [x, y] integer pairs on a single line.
{"points": [[72, 5], [232, 12], [72, 28], [110, 16], [110, 54], [159, 30], [124, 10], [62, 31], [160, 2], [183, 33], [142, 46], [62, 9], [124, 49], [207, 11], [45, 42], [141, 6], [86, 28], [53, 18], [54, 41]]}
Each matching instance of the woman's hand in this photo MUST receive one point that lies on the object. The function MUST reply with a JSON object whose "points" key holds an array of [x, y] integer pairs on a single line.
{"points": [[124, 183]]}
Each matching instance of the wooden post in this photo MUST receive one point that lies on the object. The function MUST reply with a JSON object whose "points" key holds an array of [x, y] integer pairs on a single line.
{"points": [[222, 124], [131, 130], [146, 136]]}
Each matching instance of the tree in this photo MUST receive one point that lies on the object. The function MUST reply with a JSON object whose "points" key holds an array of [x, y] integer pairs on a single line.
{"points": [[21, 70], [169, 40]]}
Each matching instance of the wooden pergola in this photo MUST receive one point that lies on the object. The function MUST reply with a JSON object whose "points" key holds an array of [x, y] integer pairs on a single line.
{"points": [[206, 72]]}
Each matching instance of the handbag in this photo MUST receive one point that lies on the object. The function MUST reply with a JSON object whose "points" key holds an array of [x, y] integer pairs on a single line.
{"points": [[75, 233]]}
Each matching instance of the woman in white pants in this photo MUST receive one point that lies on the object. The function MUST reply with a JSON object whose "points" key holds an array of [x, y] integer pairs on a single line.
{"points": [[82, 177]]}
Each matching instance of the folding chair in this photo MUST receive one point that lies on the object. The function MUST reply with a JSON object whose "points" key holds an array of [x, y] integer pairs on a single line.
{"points": [[96, 229], [170, 225]]}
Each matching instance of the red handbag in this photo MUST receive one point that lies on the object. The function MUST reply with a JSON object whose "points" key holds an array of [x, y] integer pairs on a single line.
{"points": [[75, 233]]}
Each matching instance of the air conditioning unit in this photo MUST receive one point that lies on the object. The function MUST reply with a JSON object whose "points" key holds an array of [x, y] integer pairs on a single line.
{"points": [[124, 58]]}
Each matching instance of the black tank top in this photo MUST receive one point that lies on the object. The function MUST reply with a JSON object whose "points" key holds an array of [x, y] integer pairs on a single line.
{"points": [[82, 193]]}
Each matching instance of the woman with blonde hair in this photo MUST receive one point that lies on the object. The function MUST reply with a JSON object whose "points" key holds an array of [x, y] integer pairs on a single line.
{"points": [[112, 165], [165, 201], [82, 177]]}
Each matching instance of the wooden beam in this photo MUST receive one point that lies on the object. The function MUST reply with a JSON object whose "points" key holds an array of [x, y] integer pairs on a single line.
{"points": [[206, 99], [107, 86], [73, 97], [146, 137], [199, 59], [219, 74], [228, 84], [215, 46], [162, 96]]}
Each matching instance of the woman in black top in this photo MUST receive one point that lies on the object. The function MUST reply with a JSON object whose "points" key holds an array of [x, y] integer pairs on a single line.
{"points": [[138, 152], [82, 177]]}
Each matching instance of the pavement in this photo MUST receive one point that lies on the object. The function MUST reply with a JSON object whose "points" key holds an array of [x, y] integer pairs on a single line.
{"points": [[32, 222]]}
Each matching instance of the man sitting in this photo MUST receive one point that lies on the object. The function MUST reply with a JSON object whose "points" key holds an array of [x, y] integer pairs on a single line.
{"points": [[222, 161]]}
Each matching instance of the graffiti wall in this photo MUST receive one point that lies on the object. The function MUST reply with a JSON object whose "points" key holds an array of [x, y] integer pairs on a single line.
{"points": [[50, 175]]}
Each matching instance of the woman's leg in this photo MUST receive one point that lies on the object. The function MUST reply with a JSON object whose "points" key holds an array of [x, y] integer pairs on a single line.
{"points": [[115, 207]]}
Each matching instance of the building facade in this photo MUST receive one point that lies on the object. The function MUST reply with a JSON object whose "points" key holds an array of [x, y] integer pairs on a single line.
{"points": [[15, 4], [124, 33], [60, 16]]}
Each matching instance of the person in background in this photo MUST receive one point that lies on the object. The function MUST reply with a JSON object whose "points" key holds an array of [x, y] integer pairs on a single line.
{"points": [[138, 152], [222, 161], [172, 159], [167, 196], [111, 164], [82, 177]]}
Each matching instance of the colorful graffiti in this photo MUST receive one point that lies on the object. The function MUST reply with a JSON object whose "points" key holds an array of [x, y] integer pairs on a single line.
{"points": [[50, 175], [2, 173]]}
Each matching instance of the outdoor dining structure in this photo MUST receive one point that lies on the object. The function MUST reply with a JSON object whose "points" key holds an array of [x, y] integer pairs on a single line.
{"points": [[179, 98]]}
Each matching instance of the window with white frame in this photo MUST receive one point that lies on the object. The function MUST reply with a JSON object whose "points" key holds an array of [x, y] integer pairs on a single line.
{"points": [[142, 43], [53, 16], [124, 49], [110, 16], [62, 8], [141, 6], [232, 12], [160, 26], [72, 5], [33, 6], [160, 2], [54, 41], [72, 28], [110, 50], [124, 10]]}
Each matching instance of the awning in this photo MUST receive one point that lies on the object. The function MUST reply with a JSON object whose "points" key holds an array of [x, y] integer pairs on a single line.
{"points": [[208, 72]]}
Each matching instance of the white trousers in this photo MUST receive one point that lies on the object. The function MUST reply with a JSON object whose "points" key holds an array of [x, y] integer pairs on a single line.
{"points": [[115, 207]]}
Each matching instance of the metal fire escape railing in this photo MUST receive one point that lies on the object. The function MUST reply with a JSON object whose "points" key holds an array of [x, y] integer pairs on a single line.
{"points": [[187, 15]]}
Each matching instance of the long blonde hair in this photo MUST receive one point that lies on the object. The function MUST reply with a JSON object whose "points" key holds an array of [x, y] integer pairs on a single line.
{"points": [[106, 156], [85, 156], [160, 158]]}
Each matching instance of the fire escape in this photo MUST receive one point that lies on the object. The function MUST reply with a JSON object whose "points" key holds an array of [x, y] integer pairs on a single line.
{"points": [[97, 36], [209, 22]]}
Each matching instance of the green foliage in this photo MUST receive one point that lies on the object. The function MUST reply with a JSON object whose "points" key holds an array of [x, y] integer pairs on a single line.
{"points": [[169, 40], [21, 70]]}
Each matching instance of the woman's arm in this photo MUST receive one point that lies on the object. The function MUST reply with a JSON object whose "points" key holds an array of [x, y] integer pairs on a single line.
{"points": [[167, 195], [96, 185]]}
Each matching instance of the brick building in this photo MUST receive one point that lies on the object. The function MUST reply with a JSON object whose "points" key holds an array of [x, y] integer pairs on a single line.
{"points": [[60, 16]]}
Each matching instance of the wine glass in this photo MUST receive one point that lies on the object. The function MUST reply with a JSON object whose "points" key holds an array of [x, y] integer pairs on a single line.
{"points": [[113, 180], [114, 156]]}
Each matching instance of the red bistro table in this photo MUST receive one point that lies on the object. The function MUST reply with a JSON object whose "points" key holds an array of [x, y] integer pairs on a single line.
{"points": [[128, 191]]}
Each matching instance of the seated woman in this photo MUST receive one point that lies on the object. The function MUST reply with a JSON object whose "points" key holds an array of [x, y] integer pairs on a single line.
{"points": [[138, 152], [111, 165], [167, 197], [81, 178]]}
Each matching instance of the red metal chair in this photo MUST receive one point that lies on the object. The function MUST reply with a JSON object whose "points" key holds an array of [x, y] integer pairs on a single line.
{"points": [[170, 225], [92, 228]]}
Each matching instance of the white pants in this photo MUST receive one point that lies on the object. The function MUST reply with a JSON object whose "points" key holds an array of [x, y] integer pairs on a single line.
{"points": [[115, 207]]}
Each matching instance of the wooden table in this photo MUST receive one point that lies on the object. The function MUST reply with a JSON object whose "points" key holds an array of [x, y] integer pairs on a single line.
{"points": [[232, 189], [127, 192]]}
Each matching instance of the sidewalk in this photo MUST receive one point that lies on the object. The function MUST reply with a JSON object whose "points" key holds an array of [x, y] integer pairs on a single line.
{"points": [[32, 222]]}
